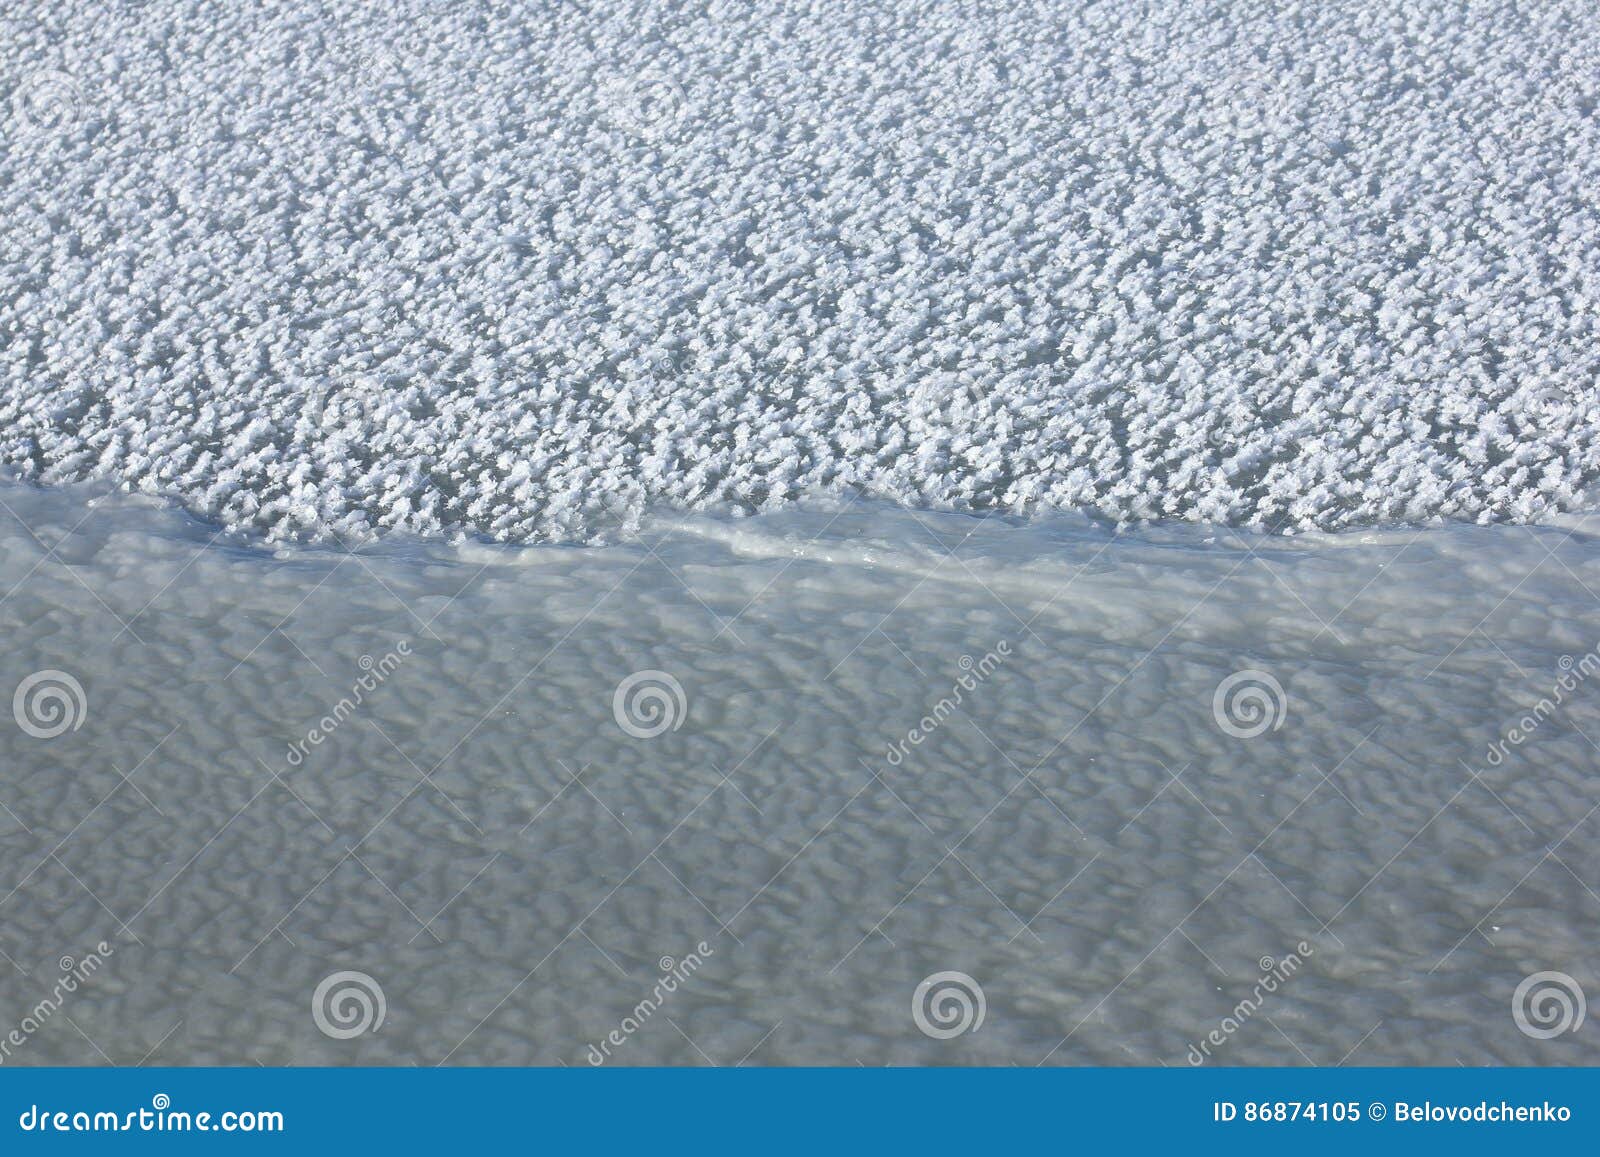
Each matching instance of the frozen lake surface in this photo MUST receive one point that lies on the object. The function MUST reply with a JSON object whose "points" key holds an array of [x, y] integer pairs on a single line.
{"points": [[369, 707], [814, 758]]}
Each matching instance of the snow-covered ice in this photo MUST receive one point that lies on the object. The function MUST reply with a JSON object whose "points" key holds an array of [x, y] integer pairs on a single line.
{"points": [[518, 271], [1110, 778], [581, 412]]}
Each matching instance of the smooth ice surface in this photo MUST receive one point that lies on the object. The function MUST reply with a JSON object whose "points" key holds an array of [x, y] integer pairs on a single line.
{"points": [[1079, 835], [512, 269]]}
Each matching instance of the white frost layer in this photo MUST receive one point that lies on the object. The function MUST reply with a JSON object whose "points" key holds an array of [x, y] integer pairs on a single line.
{"points": [[478, 268], [1080, 835]]}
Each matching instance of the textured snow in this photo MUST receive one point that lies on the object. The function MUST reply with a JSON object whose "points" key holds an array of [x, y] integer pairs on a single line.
{"points": [[485, 840], [520, 271]]}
